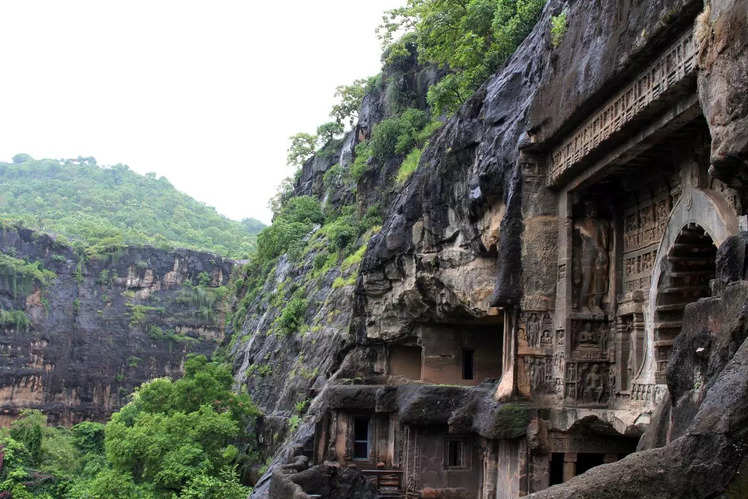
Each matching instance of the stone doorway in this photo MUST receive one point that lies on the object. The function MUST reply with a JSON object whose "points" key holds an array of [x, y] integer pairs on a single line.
{"points": [[687, 270]]}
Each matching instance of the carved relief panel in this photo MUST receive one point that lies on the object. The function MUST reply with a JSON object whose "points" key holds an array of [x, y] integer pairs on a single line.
{"points": [[644, 220], [536, 339], [630, 331], [590, 339], [535, 332], [588, 383]]}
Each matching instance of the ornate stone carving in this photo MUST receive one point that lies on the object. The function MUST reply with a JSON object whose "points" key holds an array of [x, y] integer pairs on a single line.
{"points": [[666, 72], [593, 383], [649, 393], [570, 381], [539, 372], [591, 260], [645, 220], [535, 330], [590, 339]]}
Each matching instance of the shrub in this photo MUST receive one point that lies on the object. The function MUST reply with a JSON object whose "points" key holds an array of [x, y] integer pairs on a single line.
{"points": [[16, 318], [340, 282], [349, 101], [89, 437], [292, 316], [354, 259], [343, 230], [329, 131], [558, 29], [302, 209], [332, 176], [27, 429], [409, 165], [301, 149], [361, 161]]}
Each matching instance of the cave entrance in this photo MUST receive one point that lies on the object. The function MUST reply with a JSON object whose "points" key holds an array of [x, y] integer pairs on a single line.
{"points": [[689, 266]]}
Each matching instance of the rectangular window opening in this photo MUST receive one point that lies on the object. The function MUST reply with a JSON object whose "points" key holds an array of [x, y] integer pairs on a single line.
{"points": [[361, 437], [455, 454], [467, 364]]}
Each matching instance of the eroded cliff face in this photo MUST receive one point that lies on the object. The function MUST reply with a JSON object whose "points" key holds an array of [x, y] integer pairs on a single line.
{"points": [[84, 329], [482, 238], [285, 371]]}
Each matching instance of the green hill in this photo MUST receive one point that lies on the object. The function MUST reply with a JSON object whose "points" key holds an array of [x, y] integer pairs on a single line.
{"points": [[105, 205]]}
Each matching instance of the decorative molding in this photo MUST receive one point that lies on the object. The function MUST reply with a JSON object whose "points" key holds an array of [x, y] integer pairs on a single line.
{"points": [[678, 62]]}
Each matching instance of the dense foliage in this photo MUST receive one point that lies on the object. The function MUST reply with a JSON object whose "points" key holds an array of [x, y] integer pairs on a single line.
{"points": [[114, 205], [470, 39], [175, 439]]}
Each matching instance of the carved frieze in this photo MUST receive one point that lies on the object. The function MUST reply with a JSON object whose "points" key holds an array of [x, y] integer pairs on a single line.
{"points": [[649, 393], [644, 221], [630, 330], [665, 73]]}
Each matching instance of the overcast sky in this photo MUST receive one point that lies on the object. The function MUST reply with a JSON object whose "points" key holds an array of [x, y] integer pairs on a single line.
{"points": [[205, 92]]}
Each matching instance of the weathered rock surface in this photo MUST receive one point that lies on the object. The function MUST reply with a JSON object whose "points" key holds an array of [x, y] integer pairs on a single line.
{"points": [[722, 32], [103, 325], [325, 482], [477, 226]]}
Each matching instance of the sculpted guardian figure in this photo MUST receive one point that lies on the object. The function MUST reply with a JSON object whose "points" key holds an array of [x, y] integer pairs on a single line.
{"points": [[591, 259]]}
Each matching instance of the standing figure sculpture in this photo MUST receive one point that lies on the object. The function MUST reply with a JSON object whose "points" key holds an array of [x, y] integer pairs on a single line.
{"points": [[591, 261]]}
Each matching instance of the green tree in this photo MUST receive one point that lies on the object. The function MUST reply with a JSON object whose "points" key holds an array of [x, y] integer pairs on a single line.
{"points": [[349, 99], [301, 149], [470, 39], [27, 429], [329, 131]]}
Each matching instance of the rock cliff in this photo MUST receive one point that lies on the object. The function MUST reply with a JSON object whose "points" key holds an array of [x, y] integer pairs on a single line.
{"points": [[484, 237], [81, 329]]}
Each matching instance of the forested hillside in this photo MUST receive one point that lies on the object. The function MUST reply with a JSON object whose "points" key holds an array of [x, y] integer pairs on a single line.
{"points": [[110, 205]]}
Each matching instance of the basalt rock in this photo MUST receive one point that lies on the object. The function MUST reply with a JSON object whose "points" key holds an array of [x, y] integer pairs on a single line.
{"points": [[104, 324], [546, 288]]}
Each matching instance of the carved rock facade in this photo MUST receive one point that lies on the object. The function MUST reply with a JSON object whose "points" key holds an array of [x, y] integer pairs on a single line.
{"points": [[518, 318]]}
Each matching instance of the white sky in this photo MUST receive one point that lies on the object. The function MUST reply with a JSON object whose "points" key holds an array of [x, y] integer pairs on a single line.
{"points": [[205, 93]]}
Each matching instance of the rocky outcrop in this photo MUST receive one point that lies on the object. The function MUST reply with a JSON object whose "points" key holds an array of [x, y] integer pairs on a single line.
{"points": [[97, 325], [722, 31], [325, 482], [477, 204]]}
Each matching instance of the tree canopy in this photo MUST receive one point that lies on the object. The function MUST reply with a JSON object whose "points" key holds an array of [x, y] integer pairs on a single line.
{"points": [[81, 200], [175, 439], [471, 39]]}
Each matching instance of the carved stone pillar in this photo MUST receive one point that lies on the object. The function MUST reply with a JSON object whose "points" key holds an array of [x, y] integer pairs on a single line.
{"points": [[570, 465]]}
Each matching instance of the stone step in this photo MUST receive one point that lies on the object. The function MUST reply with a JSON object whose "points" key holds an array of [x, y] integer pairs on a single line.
{"points": [[691, 260], [672, 307], [668, 325], [664, 343], [686, 290], [688, 273]]}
